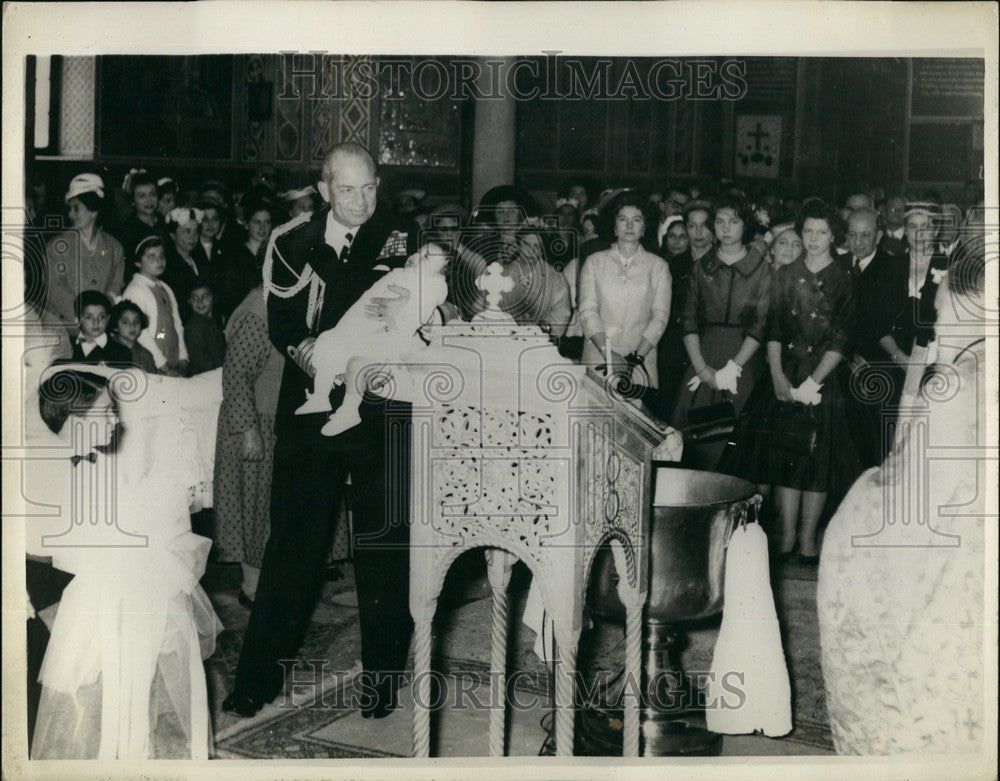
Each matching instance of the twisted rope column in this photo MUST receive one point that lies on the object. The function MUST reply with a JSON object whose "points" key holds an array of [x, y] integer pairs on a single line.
{"points": [[633, 670], [633, 599], [499, 564], [565, 679], [422, 691]]}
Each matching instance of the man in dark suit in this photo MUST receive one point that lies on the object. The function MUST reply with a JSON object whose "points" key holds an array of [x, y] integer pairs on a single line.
{"points": [[316, 267], [880, 294], [893, 241]]}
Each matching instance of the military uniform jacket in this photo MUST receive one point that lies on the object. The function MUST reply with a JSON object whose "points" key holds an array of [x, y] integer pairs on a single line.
{"points": [[297, 253]]}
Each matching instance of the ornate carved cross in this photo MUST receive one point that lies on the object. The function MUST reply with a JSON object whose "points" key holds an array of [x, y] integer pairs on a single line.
{"points": [[494, 284]]}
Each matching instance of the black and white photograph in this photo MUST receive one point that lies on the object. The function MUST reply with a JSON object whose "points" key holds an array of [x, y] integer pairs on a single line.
{"points": [[549, 390]]}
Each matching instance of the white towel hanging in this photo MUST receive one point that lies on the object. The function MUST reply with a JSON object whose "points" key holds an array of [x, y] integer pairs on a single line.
{"points": [[748, 656]]}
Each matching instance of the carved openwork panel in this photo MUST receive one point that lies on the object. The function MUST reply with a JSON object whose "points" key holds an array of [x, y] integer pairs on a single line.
{"points": [[493, 476], [612, 489]]}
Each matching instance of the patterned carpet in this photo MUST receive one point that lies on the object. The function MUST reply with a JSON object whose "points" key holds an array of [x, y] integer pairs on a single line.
{"points": [[315, 720]]}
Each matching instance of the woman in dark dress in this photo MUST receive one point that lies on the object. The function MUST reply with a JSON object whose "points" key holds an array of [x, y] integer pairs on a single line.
{"points": [[913, 329], [144, 220], [808, 448], [182, 270], [672, 358], [242, 270], [723, 324]]}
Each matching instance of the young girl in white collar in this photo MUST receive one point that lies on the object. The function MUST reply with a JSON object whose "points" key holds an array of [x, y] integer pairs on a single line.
{"points": [[165, 336]]}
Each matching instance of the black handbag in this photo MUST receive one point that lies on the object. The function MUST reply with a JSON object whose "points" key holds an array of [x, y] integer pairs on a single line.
{"points": [[710, 422], [794, 428]]}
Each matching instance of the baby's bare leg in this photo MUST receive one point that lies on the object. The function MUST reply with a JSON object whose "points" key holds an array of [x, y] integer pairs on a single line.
{"points": [[358, 374]]}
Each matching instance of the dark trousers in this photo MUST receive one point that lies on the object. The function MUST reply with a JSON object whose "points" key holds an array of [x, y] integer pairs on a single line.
{"points": [[872, 406], [45, 585], [307, 485]]}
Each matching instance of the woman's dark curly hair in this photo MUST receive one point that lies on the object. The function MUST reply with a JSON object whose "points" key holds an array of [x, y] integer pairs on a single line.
{"points": [[815, 209], [742, 209], [65, 392]]}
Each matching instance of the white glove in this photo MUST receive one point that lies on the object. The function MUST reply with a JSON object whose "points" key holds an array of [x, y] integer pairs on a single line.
{"points": [[727, 377], [693, 383], [808, 392]]}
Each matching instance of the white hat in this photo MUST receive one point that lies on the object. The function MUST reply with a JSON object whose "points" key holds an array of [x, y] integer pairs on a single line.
{"points": [[414, 193], [85, 183], [294, 195]]}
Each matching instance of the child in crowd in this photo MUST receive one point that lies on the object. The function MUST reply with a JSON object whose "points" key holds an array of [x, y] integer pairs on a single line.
{"points": [[92, 345], [166, 196], [206, 343], [165, 336], [382, 342], [127, 322]]}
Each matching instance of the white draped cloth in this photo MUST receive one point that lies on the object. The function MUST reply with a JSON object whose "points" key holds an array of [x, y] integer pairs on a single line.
{"points": [[901, 590], [123, 676], [748, 653]]}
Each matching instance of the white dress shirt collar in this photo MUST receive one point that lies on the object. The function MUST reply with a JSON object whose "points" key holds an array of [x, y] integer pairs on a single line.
{"points": [[866, 261], [89, 345], [336, 234]]}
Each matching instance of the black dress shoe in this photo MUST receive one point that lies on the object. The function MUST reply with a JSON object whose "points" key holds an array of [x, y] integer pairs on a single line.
{"points": [[380, 710], [242, 705], [382, 699], [245, 600]]}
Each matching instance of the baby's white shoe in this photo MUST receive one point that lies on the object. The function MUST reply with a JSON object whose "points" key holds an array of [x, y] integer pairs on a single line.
{"points": [[346, 417], [315, 402]]}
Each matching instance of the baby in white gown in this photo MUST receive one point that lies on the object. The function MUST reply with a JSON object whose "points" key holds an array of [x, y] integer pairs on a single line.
{"points": [[370, 341]]}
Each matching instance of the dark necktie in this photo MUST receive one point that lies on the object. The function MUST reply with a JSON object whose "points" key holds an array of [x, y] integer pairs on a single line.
{"points": [[345, 253]]}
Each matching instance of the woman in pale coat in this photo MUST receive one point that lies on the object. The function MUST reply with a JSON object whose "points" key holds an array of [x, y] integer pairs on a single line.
{"points": [[624, 296]]}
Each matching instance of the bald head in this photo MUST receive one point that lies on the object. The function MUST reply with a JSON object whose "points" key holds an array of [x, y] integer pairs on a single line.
{"points": [[345, 152], [863, 234], [895, 209], [951, 219], [349, 184], [859, 201]]}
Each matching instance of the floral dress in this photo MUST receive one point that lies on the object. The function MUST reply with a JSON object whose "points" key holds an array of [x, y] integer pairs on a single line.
{"points": [[901, 584]]}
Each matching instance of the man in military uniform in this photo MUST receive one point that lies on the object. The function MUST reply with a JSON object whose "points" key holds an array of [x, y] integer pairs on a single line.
{"points": [[316, 267]]}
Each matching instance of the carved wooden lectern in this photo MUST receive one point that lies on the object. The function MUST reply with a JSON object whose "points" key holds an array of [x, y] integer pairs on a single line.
{"points": [[523, 453]]}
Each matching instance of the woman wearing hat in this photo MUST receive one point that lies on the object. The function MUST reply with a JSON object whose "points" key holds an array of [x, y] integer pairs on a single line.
{"points": [[784, 244], [85, 257], [184, 229], [501, 233], [143, 220], [672, 358]]}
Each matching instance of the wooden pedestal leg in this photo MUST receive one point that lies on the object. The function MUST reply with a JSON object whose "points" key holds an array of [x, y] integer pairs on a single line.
{"points": [[499, 564], [422, 690], [633, 601], [567, 642]]}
